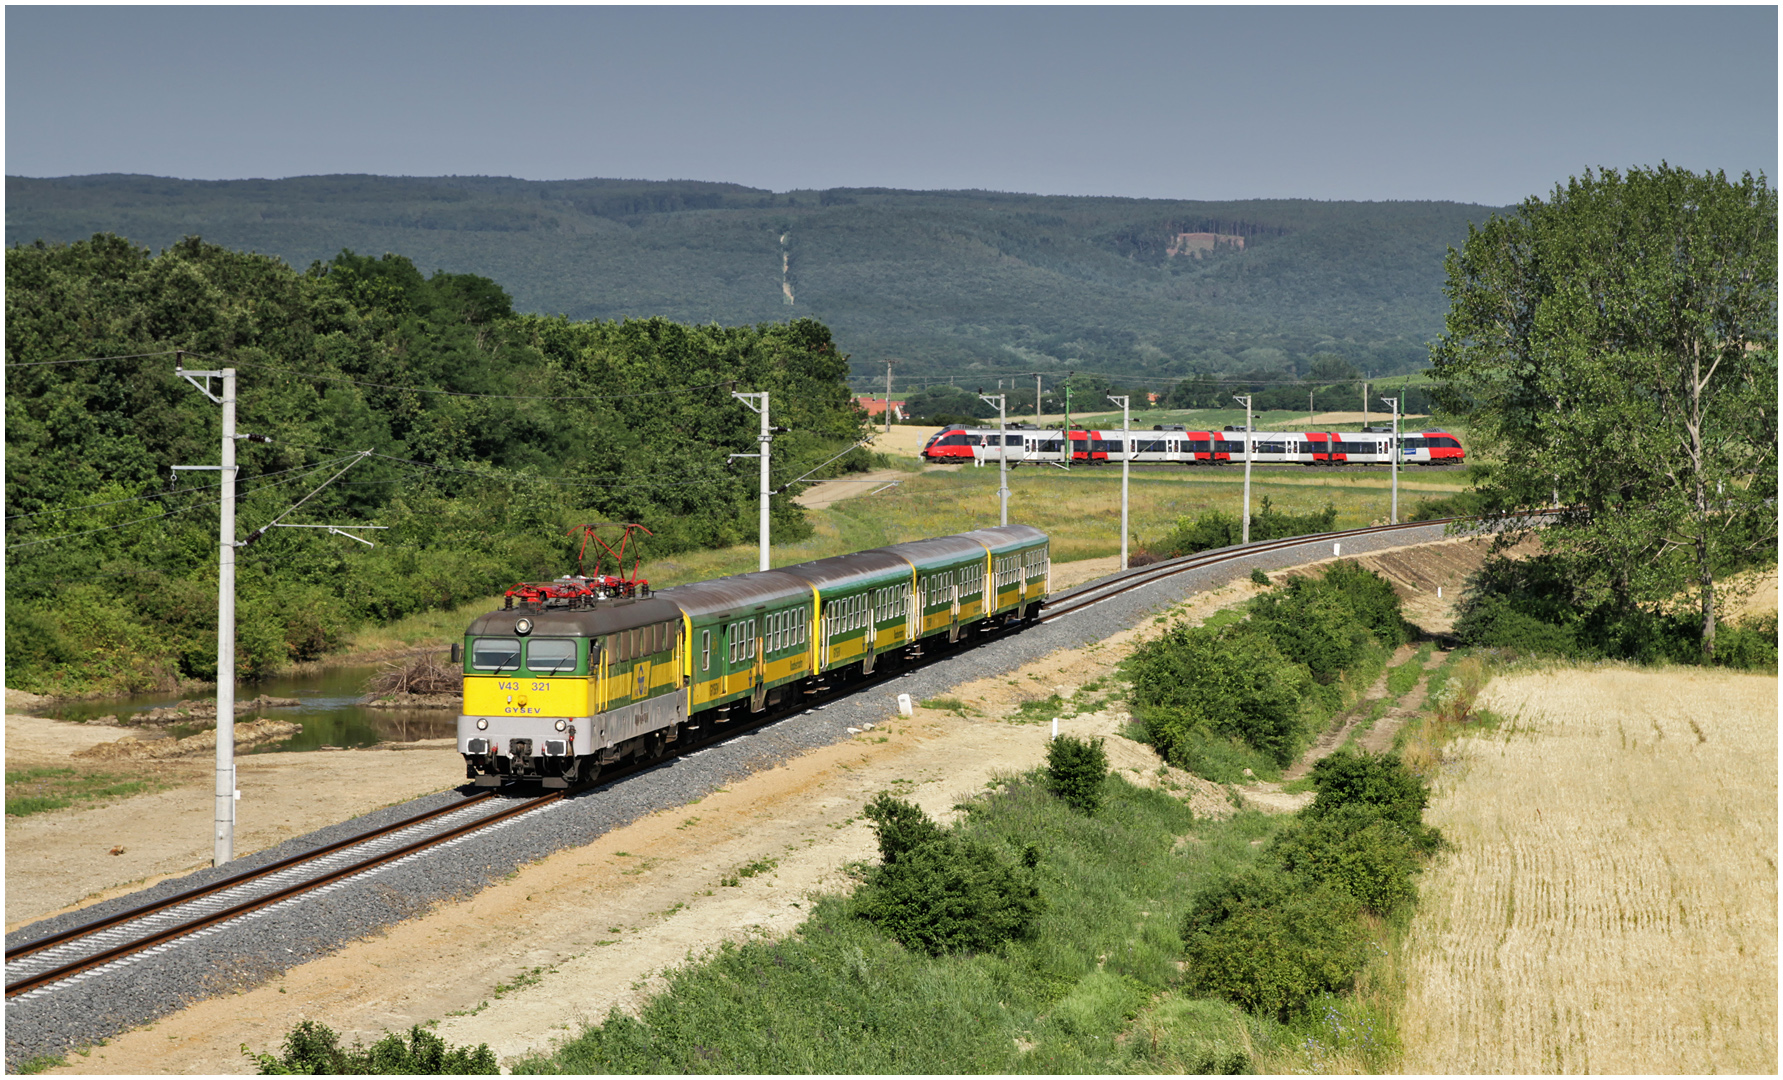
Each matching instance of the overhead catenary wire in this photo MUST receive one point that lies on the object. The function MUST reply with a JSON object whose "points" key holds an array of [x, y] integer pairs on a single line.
{"points": [[94, 359], [171, 513]]}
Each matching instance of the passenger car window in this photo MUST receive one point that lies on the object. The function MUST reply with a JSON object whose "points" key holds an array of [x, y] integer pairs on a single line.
{"points": [[495, 654]]}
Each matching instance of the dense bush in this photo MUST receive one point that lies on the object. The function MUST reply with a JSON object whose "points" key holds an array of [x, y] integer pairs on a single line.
{"points": [[1217, 529], [1535, 606], [1076, 768], [1356, 849], [1206, 694], [940, 893], [313, 1049], [1312, 624], [1232, 682], [1380, 782], [1271, 943], [900, 826]]}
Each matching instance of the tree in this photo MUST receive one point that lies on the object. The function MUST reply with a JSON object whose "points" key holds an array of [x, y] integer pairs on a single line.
{"points": [[1615, 347]]}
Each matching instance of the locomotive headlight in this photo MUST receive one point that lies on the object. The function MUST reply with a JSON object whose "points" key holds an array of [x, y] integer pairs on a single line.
{"points": [[523, 627], [561, 724], [482, 723]]}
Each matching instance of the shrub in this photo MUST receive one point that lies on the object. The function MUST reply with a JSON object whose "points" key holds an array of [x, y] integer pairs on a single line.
{"points": [[900, 826], [951, 895], [1231, 682], [1217, 529], [1271, 945], [1750, 646], [313, 1049], [1371, 598], [1355, 849], [1259, 577], [1312, 624], [1380, 782], [1077, 768]]}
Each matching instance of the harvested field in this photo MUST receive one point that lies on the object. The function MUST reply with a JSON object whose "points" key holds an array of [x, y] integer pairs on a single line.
{"points": [[1609, 904]]}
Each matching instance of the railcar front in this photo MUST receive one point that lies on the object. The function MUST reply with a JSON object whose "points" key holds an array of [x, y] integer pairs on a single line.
{"points": [[552, 692]]}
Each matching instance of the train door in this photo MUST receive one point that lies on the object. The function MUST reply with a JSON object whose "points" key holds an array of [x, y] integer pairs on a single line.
{"points": [[758, 698], [872, 617]]}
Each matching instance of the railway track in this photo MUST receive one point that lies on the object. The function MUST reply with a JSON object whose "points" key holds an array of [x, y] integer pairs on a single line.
{"points": [[65, 958], [43, 964], [1086, 596]]}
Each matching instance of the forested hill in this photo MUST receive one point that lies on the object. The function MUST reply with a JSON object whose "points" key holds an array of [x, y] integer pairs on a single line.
{"points": [[947, 281]]}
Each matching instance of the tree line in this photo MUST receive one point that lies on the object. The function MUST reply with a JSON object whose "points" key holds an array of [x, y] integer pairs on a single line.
{"points": [[492, 434]]}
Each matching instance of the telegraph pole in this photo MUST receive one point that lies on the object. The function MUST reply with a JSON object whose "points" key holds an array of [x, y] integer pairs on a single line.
{"points": [[1246, 398], [1126, 463], [1393, 401], [766, 442], [1002, 453]]}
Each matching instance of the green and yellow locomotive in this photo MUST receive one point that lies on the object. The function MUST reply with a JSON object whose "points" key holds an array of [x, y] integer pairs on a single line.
{"points": [[583, 672]]}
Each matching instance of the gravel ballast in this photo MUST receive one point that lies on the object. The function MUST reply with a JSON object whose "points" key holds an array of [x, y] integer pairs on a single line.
{"points": [[251, 949]]}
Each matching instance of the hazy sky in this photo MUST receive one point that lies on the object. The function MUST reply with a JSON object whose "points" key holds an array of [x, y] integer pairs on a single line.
{"points": [[1473, 104]]}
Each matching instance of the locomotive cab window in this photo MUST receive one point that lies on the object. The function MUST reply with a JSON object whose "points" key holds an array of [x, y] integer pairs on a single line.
{"points": [[495, 654], [705, 650], [551, 654]]}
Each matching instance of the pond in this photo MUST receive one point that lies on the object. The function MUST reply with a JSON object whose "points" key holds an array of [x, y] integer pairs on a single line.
{"points": [[330, 711]]}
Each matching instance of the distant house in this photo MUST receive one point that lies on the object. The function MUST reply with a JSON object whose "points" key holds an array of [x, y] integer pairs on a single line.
{"points": [[875, 406]]}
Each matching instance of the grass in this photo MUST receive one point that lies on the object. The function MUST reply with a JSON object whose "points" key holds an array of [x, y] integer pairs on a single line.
{"points": [[1608, 901], [1097, 990], [36, 791], [1080, 509]]}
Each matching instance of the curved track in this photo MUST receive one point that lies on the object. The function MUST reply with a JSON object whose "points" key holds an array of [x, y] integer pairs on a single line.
{"points": [[1095, 592], [64, 958]]}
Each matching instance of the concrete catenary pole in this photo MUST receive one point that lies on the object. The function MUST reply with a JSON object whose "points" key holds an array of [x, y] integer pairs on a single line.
{"points": [[888, 367], [1246, 398], [1002, 453], [223, 832], [766, 442], [1126, 464], [1397, 454]]}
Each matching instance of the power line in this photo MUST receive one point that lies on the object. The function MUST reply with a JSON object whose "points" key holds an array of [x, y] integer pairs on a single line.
{"points": [[93, 359], [183, 510], [465, 394], [143, 498]]}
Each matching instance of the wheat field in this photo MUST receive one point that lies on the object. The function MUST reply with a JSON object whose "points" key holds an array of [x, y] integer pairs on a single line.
{"points": [[1609, 902]]}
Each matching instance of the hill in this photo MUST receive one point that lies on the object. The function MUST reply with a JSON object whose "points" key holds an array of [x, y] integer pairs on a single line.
{"points": [[949, 282]]}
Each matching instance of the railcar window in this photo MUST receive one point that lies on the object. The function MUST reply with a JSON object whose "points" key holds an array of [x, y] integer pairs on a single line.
{"points": [[705, 650], [1272, 448], [551, 654], [495, 654]]}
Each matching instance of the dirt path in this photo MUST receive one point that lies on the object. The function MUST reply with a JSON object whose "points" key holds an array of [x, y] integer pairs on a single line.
{"points": [[827, 492]]}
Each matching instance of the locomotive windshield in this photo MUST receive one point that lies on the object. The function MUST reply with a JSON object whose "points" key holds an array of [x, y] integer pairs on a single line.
{"points": [[495, 654], [551, 654]]}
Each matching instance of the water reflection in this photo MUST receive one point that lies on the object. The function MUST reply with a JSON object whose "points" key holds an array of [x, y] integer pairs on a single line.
{"points": [[330, 711]]}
